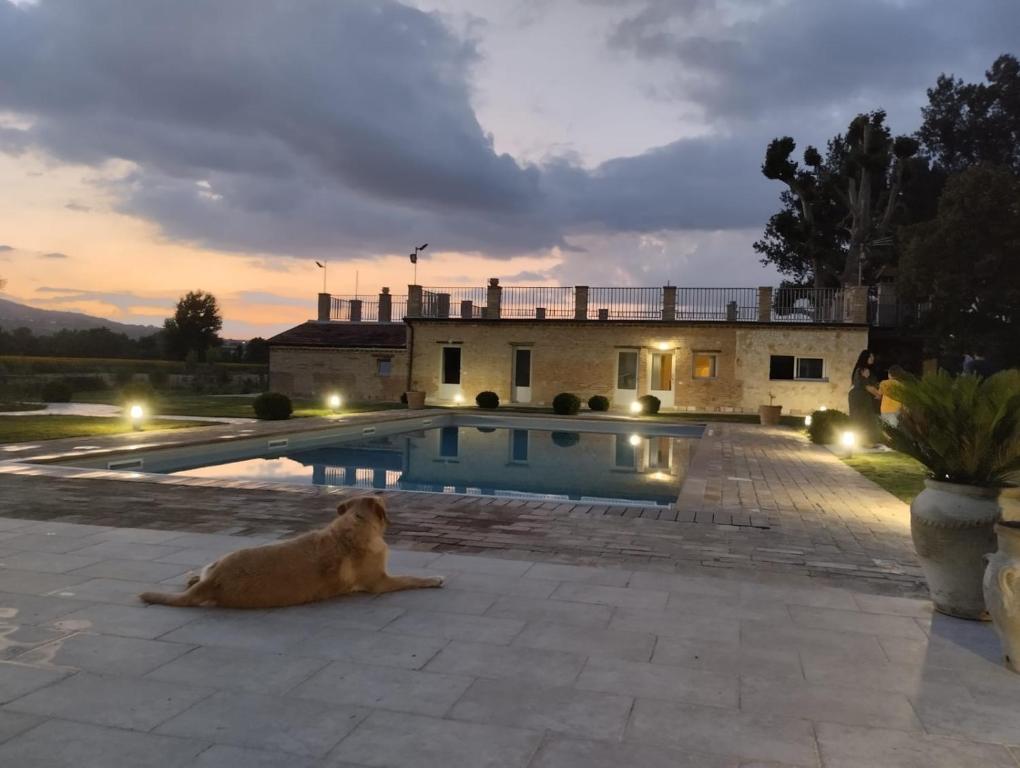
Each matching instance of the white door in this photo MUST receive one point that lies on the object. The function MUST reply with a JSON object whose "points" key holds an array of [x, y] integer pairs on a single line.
{"points": [[626, 377], [660, 376], [449, 373], [521, 386]]}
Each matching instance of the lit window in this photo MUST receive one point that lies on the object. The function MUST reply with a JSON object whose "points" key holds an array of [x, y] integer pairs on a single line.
{"points": [[704, 365], [789, 367], [662, 371], [384, 366]]}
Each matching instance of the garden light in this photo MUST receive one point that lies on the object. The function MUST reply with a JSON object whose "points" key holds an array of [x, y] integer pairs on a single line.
{"points": [[822, 408], [635, 440], [807, 421], [136, 412], [334, 402], [458, 398], [848, 439], [635, 407]]}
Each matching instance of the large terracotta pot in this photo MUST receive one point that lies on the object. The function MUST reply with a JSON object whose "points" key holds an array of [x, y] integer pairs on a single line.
{"points": [[415, 400], [769, 414], [953, 529], [1002, 591]]}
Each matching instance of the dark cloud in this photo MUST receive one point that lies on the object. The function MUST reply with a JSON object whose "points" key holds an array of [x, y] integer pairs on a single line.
{"points": [[77, 207], [4, 248], [346, 129], [53, 255], [746, 61]]}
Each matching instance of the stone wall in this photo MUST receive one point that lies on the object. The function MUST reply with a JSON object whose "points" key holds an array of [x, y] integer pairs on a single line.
{"points": [[354, 373], [581, 357]]}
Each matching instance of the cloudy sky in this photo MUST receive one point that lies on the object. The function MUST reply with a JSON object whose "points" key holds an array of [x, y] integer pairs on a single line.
{"points": [[148, 148]]}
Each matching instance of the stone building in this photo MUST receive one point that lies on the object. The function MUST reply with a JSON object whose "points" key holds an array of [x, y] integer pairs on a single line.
{"points": [[698, 350]]}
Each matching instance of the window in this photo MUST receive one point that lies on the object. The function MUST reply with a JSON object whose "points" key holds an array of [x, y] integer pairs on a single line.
{"points": [[789, 367], [626, 370], [519, 445], [705, 365], [449, 442], [451, 365], [662, 372], [384, 366]]}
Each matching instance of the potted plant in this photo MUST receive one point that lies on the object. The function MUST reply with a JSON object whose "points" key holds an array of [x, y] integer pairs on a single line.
{"points": [[769, 414], [415, 400], [966, 431]]}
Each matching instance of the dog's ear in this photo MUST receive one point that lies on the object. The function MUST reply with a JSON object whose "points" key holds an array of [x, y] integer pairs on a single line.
{"points": [[344, 507], [379, 507]]}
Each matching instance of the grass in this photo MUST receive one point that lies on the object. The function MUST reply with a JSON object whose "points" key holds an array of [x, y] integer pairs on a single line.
{"points": [[80, 365], [20, 429], [11, 407], [899, 474], [231, 406], [735, 418]]}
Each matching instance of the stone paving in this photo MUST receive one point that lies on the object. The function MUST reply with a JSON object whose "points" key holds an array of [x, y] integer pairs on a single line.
{"points": [[514, 663], [757, 500]]}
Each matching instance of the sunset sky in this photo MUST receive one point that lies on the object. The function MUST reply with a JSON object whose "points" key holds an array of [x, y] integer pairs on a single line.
{"points": [[148, 148]]}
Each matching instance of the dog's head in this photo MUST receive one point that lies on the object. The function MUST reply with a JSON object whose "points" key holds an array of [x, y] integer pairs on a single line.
{"points": [[365, 508]]}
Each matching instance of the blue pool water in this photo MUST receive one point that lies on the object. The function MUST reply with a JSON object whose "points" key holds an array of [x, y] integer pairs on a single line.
{"points": [[626, 468]]}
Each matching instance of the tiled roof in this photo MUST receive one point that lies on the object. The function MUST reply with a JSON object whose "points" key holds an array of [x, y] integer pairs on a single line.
{"points": [[343, 334]]}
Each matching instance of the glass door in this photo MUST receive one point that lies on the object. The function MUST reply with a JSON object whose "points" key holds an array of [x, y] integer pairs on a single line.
{"points": [[660, 379], [521, 389], [626, 376], [449, 373]]}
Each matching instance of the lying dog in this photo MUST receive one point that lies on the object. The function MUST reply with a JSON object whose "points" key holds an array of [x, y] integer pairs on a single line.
{"points": [[349, 555]]}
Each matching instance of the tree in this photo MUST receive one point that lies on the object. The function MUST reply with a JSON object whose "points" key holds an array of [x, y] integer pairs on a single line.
{"points": [[966, 261], [837, 209], [970, 123], [194, 327], [256, 350]]}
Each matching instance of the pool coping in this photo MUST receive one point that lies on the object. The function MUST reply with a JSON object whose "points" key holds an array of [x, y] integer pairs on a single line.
{"points": [[50, 464]]}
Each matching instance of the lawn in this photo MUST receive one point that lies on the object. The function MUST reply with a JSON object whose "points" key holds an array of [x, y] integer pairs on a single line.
{"points": [[899, 474], [19, 429], [233, 406]]}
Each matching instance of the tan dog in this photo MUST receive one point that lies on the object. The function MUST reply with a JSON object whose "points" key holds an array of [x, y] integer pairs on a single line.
{"points": [[349, 555]]}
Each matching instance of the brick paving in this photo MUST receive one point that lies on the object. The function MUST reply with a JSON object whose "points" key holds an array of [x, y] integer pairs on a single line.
{"points": [[757, 500]]}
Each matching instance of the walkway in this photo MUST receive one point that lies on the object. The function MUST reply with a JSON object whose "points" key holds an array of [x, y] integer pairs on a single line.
{"points": [[514, 663]]}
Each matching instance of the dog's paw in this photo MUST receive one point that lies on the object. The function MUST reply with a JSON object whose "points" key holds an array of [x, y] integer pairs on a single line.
{"points": [[438, 581]]}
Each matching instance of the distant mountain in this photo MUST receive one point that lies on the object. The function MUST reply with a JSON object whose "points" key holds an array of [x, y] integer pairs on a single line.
{"points": [[45, 321]]}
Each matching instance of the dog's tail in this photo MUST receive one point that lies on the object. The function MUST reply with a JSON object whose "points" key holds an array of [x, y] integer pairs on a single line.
{"points": [[180, 600]]}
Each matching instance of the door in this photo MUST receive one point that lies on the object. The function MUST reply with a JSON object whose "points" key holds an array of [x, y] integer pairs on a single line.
{"points": [[521, 389], [660, 378], [626, 376], [449, 373]]}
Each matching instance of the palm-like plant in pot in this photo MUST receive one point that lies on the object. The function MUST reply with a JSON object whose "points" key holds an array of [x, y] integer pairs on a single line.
{"points": [[966, 431]]}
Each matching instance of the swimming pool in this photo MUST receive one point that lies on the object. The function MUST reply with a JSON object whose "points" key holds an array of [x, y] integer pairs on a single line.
{"points": [[625, 463]]}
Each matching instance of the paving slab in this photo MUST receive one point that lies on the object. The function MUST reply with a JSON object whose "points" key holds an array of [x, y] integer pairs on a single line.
{"points": [[365, 647], [120, 702], [535, 609], [533, 665], [18, 679], [452, 626], [104, 653], [563, 752], [138, 620], [655, 681], [396, 740], [60, 744], [843, 746], [266, 722], [235, 669], [592, 641]]}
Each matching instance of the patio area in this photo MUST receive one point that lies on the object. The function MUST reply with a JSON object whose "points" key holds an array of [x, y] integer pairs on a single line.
{"points": [[513, 663]]}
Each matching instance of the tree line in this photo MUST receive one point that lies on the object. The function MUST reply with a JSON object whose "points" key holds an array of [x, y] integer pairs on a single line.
{"points": [[192, 333], [939, 210]]}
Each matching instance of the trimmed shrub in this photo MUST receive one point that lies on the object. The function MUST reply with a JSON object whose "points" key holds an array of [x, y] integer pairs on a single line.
{"points": [[487, 399], [138, 390], [272, 406], [159, 379], [56, 392], [86, 383], [826, 426], [565, 439], [598, 403], [124, 376], [649, 404], [566, 404]]}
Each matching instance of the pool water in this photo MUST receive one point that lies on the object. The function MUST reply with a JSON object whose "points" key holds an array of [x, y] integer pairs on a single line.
{"points": [[626, 468]]}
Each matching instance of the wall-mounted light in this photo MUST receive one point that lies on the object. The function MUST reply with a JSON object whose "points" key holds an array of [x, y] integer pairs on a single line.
{"points": [[458, 398], [634, 440], [663, 345]]}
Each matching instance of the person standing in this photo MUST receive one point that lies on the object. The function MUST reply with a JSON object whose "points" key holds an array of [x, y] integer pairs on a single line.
{"points": [[862, 396], [890, 408]]}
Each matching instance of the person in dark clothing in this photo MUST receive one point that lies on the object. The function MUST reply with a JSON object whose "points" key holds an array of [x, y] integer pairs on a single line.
{"points": [[863, 394]]}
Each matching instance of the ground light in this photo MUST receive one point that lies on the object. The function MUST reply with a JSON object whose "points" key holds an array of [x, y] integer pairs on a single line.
{"points": [[848, 439], [635, 440], [635, 407], [136, 413], [334, 402], [458, 398], [807, 421], [823, 408]]}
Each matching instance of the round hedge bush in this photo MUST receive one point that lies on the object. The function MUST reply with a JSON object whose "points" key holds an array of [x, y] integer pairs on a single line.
{"points": [[487, 399], [565, 439], [272, 406], [566, 404], [826, 426], [56, 392], [598, 403], [649, 404]]}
